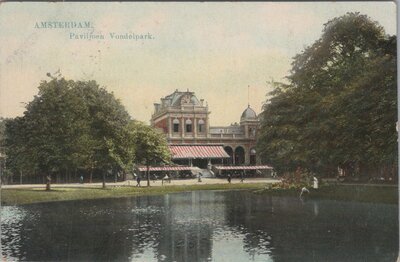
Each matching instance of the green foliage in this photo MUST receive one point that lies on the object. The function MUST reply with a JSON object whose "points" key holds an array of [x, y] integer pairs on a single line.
{"points": [[152, 147], [339, 108], [70, 125], [73, 125]]}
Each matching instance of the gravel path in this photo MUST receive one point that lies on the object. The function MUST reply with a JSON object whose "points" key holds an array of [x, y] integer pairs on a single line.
{"points": [[208, 181]]}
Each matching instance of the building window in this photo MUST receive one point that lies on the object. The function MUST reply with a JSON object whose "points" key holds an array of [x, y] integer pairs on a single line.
{"points": [[176, 125], [201, 126], [188, 126], [253, 159], [252, 131]]}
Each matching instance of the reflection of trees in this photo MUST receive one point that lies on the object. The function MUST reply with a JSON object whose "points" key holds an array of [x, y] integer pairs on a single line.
{"points": [[177, 227], [293, 231], [80, 231], [181, 227]]}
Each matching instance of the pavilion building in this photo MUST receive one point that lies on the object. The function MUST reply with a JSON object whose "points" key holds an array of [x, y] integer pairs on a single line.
{"points": [[184, 119]]}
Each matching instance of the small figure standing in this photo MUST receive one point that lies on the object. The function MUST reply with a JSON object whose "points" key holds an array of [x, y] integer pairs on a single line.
{"points": [[165, 178], [304, 190], [241, 177], [81, 179], [138, 181], [229, 178], [315, 185], [199, 177]]}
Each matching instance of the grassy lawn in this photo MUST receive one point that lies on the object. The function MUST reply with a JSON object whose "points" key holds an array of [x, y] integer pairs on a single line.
{"points": [[360, 193], [376, 194], [31, 195]]}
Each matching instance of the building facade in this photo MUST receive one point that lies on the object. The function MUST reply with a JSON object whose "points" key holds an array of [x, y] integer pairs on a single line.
{"points": [[184, 119]]}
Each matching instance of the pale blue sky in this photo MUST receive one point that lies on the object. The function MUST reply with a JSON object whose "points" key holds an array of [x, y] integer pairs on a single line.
{"points": [[214, 49]]}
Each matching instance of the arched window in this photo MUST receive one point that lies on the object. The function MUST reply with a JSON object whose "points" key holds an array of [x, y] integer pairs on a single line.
{"points": [[176, 125], [188, 126], [252, 131], [201, 126], [239, 155]]}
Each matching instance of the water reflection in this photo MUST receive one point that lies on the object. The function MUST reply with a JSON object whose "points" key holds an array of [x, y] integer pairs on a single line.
{"points": [[11, 219], [201, 226]]}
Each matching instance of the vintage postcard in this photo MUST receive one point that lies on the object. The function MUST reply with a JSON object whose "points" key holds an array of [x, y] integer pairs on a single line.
{"points": [[199, 131]]}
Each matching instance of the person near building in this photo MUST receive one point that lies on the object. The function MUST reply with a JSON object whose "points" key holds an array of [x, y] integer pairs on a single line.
{"points": [[315, 184], [138, 180], [166, 178], [229, 178]]}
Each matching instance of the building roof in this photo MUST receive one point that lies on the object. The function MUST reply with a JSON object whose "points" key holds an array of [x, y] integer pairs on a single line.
{"points": [[197, 151], [175, 99], [242, 167], [165, 168], [248, 114]]}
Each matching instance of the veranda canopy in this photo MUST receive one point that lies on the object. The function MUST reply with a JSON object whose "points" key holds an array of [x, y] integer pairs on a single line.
{"points": [[165, 168], [242, 167], [197, 151]]}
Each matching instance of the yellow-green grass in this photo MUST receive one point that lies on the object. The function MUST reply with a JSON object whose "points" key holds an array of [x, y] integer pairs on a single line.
{"points": [[36, 195]]}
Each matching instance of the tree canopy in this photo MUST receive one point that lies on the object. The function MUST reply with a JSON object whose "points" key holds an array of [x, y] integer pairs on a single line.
{"points": [[151, 147], [73, 125], [339, 107]]}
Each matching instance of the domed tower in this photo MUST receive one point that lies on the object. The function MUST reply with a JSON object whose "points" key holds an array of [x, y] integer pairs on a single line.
{"points": [[249, 121]]}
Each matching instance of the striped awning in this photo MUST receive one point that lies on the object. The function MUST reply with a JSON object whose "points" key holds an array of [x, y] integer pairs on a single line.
{"points": [[165, 168], [242, 167], [197, 151]]}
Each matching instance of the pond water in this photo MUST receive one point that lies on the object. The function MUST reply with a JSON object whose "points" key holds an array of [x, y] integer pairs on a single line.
{"points": [[201, 226]]}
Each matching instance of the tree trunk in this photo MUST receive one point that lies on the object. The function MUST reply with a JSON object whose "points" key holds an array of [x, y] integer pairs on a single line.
{"points": [[148, 175], [91, 175], [48, 183], [104, 179]]}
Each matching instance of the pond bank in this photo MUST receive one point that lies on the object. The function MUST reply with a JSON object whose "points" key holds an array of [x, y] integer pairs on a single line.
{"points": [[360, 193], [21, 196]]}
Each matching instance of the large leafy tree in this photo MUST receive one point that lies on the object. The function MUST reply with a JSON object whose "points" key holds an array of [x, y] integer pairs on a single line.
{"points": [[109, 146], [55, 124], [151, 146], [339, 107], [21, 158], [71, 125]]}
